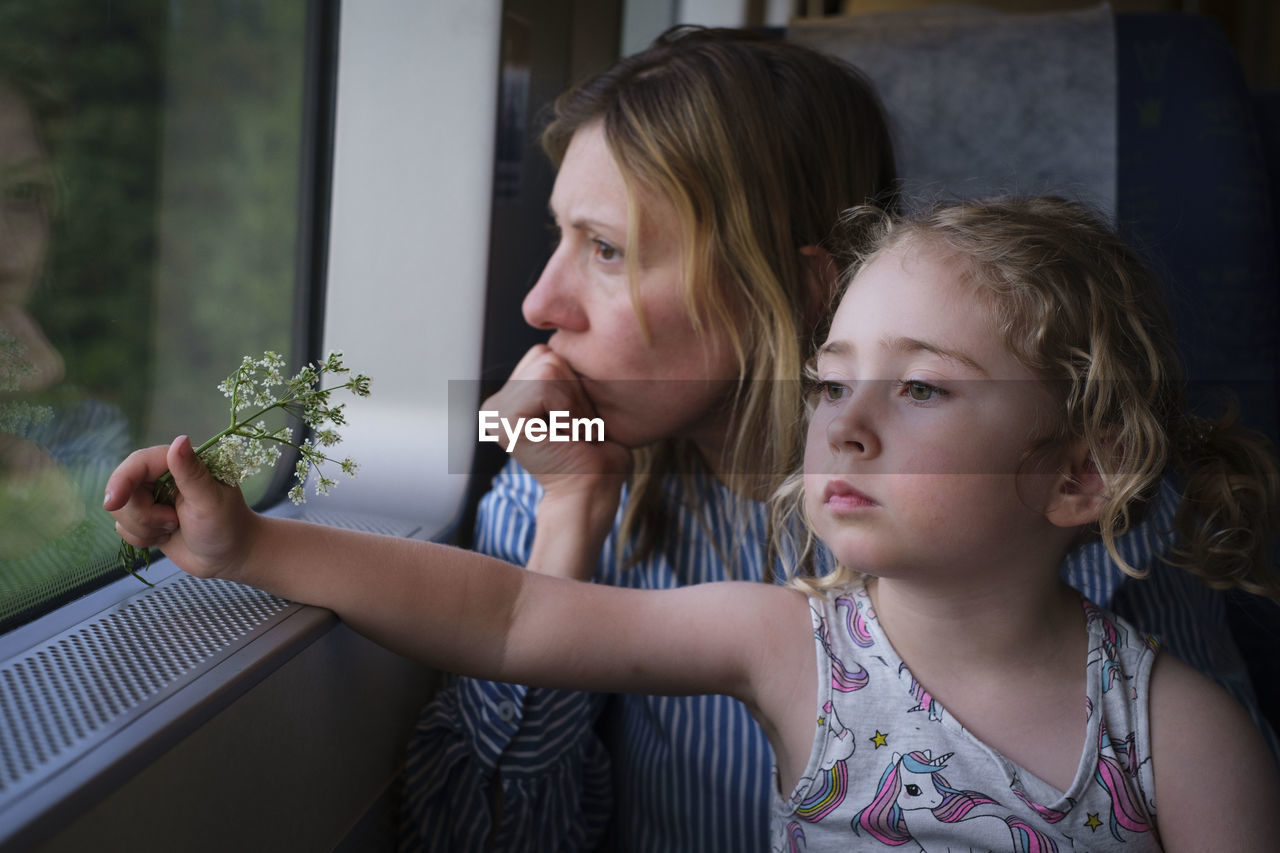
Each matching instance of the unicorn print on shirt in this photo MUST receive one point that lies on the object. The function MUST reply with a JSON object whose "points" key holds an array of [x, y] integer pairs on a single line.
{"points": [[912, 790]]}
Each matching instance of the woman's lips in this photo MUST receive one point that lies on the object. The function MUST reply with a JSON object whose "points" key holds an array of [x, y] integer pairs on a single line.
{"points": [[839, 496]]}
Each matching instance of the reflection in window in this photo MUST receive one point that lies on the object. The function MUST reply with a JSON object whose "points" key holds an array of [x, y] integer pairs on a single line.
{"points": [[149, 222]]}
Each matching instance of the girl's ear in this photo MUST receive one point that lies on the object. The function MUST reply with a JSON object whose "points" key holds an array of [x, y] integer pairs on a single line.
{"points": [[1078, 493], [821, 280]]}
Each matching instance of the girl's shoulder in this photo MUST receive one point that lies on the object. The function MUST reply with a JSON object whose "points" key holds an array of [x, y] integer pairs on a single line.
{"points": [[1216, 783], [1117, 636]]}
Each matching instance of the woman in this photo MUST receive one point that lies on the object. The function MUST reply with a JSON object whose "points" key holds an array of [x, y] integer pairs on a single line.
{"points": [[684, 295]]}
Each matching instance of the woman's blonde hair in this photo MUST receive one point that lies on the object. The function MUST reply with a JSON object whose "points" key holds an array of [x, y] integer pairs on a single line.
{"points": [[1075, 305], [758, 144]]}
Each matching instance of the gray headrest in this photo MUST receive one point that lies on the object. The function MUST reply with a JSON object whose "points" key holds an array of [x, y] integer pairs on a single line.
{"points": [[984, 102]]}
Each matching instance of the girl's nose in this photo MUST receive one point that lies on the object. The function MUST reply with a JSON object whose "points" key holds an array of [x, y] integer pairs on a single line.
{"points": [[553, 302], [851, 428]]}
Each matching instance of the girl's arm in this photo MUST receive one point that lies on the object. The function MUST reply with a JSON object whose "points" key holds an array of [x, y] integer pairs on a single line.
{"points": [[1216, 784], [458, 610]]}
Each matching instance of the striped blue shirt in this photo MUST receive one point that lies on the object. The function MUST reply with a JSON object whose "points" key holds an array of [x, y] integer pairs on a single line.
{"points": [[503, 767]]}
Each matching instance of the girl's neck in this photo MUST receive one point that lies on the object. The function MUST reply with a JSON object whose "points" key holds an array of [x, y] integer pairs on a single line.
{"points": [[1008, 664], [968, 625]]}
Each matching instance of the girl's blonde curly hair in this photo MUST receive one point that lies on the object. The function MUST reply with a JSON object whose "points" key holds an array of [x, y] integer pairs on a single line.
{"points": [[1078, 307]]}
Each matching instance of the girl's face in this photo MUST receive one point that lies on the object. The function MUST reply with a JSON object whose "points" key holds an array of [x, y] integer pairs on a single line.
{"points": [[671, 382], [917, 453]]}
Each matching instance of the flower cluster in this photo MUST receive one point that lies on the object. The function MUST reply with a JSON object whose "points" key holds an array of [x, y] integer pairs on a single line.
{"points": [[247, 445], [259, 387]]}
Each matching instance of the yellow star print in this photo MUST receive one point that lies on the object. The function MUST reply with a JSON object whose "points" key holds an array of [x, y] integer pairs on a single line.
{"points": [[880, 739], [1093, 822]]}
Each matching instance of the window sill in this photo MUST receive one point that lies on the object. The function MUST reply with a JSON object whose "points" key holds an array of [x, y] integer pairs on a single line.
{"points": [[196, 715]]}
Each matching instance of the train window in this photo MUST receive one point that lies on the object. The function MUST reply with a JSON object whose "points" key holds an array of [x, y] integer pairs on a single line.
{"points": [[152, 231], [214, 178]]}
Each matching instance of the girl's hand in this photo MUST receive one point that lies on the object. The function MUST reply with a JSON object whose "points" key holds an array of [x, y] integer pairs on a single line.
{"points": [[208, 531]]}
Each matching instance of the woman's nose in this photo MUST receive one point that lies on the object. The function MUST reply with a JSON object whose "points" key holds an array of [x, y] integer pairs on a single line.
{"points": [[553, 302]]}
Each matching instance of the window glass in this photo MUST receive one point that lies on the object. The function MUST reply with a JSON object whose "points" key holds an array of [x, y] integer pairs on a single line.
{"points": [[150, 156]]}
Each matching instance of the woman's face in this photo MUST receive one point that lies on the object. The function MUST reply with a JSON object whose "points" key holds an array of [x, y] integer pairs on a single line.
{"points": [[672, 381], [25, 186]]}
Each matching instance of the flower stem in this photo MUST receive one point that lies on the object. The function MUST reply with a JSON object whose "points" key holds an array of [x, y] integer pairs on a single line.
{"points": [[300, 399]]}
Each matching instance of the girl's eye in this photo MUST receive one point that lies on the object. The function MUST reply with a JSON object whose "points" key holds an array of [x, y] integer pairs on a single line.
{"points": [[833, 391], [921, 392]]}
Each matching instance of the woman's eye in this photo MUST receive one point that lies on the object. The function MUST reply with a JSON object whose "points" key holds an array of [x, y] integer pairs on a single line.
{"points": [[922, 392], [606, 251]]}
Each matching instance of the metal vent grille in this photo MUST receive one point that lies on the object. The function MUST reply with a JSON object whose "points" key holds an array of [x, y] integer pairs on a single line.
{"points": [[60, 697]]}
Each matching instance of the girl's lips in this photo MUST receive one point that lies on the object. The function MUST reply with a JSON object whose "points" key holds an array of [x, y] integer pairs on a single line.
{"points": [[841, 497]]}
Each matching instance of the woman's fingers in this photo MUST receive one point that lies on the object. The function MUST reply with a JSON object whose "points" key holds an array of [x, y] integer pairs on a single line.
{"points": [[542, 382]]}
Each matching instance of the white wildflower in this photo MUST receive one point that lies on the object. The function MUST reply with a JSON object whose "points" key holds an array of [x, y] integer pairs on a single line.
{"points": [[247, 446], [236, 458]]}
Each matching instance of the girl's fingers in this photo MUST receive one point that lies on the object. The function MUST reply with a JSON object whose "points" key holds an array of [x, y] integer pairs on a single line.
{"points": [[148, 541], [140, 521], [139, 469], [189, 474]]}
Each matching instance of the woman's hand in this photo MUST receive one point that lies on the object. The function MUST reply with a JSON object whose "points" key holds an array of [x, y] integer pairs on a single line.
{"points": [[581, 480], [542, 383], [208, 531]]}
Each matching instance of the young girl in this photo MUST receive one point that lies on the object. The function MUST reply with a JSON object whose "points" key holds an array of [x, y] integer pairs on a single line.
{"points": [[695, 181], [997, 386]]}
